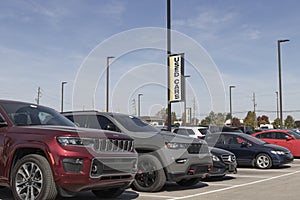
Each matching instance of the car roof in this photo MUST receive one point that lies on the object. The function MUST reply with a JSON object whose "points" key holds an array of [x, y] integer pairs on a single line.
{"points": [[93, 112]]}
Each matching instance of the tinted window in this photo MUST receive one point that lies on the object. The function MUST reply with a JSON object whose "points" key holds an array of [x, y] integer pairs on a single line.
{"points": [[183, 131], [22, 114], [134, 124], [295, 134]]}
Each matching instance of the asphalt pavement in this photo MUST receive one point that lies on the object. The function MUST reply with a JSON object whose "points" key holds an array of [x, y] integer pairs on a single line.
{"points": [[248, 184]]}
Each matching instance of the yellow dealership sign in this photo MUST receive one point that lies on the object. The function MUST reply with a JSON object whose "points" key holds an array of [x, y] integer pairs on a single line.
{"points": [[176, 68]]}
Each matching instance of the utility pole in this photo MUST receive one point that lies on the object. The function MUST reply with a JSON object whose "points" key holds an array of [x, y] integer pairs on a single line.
{"points": [[254, 102], [194, 111], [39, 95], [168, 54], [254, 108]]}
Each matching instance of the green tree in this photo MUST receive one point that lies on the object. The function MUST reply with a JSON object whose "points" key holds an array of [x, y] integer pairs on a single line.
{"points": [[289, 122], [173, 117], [228, 116], [276, 123], [213, 119], [250, 119]]}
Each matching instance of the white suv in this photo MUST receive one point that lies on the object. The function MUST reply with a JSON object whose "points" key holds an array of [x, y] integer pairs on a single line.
{"points": [[195, 131]]}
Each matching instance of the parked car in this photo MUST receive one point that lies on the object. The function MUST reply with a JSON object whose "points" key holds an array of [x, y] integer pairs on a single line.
{"points": [[163, 156], [42, 154], [193, 131], [224, 162], [249, 150], [286, 138], [217, 129]]}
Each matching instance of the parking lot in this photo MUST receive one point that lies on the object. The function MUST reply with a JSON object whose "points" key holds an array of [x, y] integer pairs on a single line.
{"points": [[249, 183]]}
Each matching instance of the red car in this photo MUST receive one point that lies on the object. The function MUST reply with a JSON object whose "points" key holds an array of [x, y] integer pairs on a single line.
{"points": [[286, 138], [43, 154]]}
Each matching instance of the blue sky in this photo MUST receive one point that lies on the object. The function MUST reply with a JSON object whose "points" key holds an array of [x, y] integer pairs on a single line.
{"points": [[45, 42]]}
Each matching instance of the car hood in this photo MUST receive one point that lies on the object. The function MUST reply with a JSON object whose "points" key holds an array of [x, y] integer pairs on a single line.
{"points": [[68, 131], [275, 147]]}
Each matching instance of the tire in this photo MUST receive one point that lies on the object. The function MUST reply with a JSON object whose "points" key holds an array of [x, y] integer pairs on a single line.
{"points": [[263, 161], [150, 176], [109, 193], [33, 173], [188, 182]]}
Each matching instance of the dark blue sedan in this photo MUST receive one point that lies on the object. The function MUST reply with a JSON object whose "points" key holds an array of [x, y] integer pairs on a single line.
{"points": [[250, 151]]}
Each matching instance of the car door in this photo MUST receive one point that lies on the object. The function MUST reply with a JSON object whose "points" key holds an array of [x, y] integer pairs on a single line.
{"points": [[3, 131], [242, 149], [281, 139]]}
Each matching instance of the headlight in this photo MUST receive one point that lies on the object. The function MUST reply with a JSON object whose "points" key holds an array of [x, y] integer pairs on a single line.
{"points": [[76, 141], [278, 152], [215, 158], [176, 145]]}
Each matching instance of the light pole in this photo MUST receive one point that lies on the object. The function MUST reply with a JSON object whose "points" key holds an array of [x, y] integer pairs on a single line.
{"points": [[139, 104], [107, 82], [277, 105], [279, 73], [62, 95], [184, 107], [230, 103]]}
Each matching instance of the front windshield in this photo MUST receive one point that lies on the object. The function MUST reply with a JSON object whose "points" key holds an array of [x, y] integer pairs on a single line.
{"points": [[23, 114], [134, 124], [295, 134]]}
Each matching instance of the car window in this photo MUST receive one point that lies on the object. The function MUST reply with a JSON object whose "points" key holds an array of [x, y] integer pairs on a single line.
{"points": [[267, 135], [183, 131], [22, 114], [106, 123], [295, 134], [134, 124], [280, 136], [203, 131]]}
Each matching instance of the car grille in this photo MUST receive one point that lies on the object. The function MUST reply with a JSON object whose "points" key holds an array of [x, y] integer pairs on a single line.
{"points": [[112, 167], [196, 148], [228, 158], [112, 145]]}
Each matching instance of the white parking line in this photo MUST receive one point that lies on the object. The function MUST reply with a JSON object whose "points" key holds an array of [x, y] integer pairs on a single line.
{"points": [[155, 196], [235, 186]]}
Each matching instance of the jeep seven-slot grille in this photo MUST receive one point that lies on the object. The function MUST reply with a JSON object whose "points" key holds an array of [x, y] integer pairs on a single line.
{"points": [[113, 145]]}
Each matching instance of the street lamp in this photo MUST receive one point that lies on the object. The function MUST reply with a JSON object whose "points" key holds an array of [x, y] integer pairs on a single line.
{"points": [[139, 104], [277, 110], [184, 107], [107, 82], [279, 73], [62, 95], [230, 103]]}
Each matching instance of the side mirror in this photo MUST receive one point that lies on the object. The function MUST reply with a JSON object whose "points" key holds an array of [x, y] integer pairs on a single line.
{"points": [[288, 138]]}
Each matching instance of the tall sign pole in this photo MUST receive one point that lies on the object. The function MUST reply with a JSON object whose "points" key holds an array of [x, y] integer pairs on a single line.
{"points": [[168, 54]]}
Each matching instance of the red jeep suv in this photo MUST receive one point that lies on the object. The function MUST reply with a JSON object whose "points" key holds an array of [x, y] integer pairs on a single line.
{"points": [[43, 154]]}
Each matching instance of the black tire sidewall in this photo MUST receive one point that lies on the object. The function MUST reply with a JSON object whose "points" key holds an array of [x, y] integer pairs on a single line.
{"points": [[48, 190], [160, 179]]}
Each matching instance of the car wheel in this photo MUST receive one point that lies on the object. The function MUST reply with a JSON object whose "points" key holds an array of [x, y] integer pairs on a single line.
{"points": [[188, 182], [109, 193], [263, 161], [32, 178], [150, 176]]}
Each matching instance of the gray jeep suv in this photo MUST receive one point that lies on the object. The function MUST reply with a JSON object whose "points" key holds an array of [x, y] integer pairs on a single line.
{"points": [[163, 156]]}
